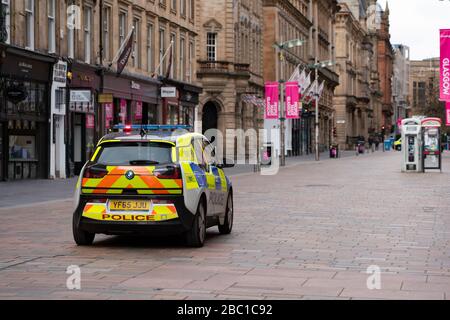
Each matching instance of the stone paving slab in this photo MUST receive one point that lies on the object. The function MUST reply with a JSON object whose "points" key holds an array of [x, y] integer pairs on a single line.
{"points": [[309, 232]]}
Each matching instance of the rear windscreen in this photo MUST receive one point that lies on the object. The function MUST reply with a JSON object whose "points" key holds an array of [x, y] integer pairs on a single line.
{"points": [[135, 153]]}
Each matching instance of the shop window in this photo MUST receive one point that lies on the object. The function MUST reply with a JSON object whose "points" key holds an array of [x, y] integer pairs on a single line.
{"points": [[22, 157], [188, 116], [60, 104], [152, 114], [34, 98], [22, 147], [173, 115]]}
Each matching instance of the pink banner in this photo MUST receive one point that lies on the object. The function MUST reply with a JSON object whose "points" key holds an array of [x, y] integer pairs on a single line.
{"points": [[447, 113], [109, 114], [445, 65], [109, 111], [292, 99], [90, 121], [123, 110], [138, 111], [272, 100]]}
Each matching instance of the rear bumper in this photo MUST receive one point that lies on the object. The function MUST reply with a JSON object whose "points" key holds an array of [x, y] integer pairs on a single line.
{"points": [[171, 227]]}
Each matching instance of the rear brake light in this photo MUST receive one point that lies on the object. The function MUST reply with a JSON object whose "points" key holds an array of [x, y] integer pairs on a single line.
{"points": [[94, 173], [170, 172]]}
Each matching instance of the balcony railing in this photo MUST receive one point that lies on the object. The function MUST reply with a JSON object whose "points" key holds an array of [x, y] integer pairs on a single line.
{"points": [[242, 67], [214, 66]]}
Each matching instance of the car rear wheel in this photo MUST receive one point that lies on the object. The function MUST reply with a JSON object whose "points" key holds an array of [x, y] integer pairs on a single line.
{"points": [[196, 236], [81, 237], [228, 223]]}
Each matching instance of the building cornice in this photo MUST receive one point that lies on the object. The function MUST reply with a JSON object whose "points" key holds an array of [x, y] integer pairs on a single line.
{"points": [[287, 7]]}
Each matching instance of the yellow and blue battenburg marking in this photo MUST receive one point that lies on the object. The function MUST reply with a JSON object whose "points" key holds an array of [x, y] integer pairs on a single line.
{"points": [[217, 178], [199, 175]]}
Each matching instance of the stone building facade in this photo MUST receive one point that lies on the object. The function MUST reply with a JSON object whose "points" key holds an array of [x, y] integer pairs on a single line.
{"points": [[400, 84], [84, 36], [385, 70], [313, 23], [423, 85], [230, 65], [354, 57]]}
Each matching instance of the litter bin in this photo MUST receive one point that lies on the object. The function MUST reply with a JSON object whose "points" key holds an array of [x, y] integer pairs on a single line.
{"points": [[387, 145], [361, 147], [334, 151]]}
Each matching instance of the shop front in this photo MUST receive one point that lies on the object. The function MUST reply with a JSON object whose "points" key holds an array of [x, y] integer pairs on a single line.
{"points": [[25, 82], [131, 100], [179, 101], [81, 120]]}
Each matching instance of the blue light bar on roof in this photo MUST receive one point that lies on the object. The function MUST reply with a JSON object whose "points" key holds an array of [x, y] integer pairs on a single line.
{"points": [[152, 127]]}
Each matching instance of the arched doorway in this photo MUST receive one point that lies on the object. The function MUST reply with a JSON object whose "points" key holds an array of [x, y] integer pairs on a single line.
{"points": [[209, 117]]}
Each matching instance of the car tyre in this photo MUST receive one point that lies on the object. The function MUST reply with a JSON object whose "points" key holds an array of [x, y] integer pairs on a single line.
{"points": [[81, 237], [196, 236], [229, 216]]}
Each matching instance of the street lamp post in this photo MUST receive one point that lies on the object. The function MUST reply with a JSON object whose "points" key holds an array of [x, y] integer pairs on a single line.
{"points": [[282, 126], [316, 67], [316, 97], [281, 47]]}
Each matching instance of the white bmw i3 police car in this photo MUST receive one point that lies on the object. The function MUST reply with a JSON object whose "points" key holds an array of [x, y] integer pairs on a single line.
{"points": [[153, 180]]}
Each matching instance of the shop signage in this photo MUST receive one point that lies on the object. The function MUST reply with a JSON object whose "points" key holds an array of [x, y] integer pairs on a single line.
{"points": [[340, 122], [25, 67], [60, 73], [85, 78], [447, 113], [16, 93], [135, 85], [80, 96], [138, 111], [105, 98], [168, 92], [90, 121], [81, 107], [431, 123]]}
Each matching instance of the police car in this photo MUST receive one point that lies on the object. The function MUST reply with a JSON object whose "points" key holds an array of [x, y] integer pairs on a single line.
{"points": [[154, 180]]}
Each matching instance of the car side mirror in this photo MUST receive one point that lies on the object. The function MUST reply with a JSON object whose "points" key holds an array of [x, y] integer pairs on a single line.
{"points": [[227, 163]]}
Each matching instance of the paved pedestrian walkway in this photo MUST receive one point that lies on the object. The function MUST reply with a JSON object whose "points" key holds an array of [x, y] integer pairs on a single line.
{"points": [[310, 232], [26, 192]]}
